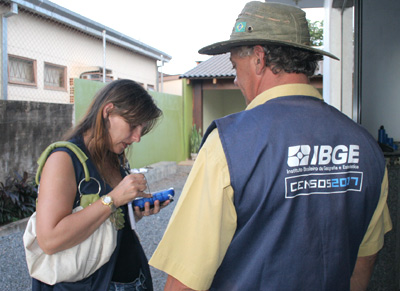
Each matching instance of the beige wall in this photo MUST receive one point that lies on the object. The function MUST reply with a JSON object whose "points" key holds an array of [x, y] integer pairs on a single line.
{"points": [[171, 85], [219, 103], [43, 40]]}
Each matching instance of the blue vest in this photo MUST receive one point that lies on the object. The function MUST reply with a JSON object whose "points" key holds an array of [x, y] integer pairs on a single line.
{"points": [[306, 182]]}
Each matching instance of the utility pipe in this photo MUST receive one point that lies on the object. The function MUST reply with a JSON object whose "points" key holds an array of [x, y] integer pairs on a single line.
{"points": [[4, 43], [104, 56]]}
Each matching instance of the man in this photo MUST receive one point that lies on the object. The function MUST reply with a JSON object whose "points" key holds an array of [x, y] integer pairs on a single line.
{"points": [[289, 194]]}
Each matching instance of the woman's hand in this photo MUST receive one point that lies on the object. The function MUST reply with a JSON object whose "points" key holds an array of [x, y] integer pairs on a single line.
{"points": [[130, 188], [150, 211]]}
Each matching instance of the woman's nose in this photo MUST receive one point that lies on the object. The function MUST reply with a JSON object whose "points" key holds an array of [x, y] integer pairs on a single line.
{"points": [[137, 133]]}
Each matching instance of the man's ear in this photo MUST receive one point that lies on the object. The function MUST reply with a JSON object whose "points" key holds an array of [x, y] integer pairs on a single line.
{"points": [[259, 58], [259, 52], [107, 109]]}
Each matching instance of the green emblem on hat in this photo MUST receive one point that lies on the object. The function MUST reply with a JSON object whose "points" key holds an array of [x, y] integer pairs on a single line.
{"points": [[240, 27]]}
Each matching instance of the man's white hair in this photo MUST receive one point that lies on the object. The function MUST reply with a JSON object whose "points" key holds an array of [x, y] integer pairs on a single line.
{"points": [[243, 51]]}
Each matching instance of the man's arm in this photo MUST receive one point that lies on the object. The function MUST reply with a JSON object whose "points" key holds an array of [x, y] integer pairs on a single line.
{"points": [[204, 220], [173, 284], [362, 273]]}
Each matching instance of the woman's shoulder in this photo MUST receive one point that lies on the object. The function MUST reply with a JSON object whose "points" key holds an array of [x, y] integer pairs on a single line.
{"points": [[67, 146], [75, 160]]}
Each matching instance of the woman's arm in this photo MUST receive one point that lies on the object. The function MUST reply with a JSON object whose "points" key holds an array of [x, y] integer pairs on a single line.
{"points": [[57, 228]]}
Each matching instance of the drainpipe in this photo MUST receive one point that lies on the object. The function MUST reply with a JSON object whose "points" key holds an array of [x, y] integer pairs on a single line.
{"points": [[104, 56], [341, 53], [357, 92], [4, 57], [162, 74]]}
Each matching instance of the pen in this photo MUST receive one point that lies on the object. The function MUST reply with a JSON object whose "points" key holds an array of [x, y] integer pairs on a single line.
{"points": [[130, 208]]}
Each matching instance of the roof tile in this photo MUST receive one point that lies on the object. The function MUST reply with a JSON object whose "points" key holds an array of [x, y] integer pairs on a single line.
{"points": [[218, 66]]}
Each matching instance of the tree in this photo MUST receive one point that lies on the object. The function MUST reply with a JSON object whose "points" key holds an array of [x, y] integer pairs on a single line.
{"points": [[316, 32]]}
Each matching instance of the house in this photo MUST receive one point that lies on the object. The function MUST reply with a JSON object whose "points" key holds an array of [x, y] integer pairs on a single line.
{"points": [[46, 46], [214, 93]]}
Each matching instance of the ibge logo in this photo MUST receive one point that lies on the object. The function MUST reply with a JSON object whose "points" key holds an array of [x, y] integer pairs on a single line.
{"points": [[301, 155], [329, 170], [298, 155]]}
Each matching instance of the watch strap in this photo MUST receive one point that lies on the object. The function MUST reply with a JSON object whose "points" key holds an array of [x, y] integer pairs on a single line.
{"points": [[110, 203]]}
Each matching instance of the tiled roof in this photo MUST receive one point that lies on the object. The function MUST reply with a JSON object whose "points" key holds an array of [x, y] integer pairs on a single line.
{"points": [[218, 66]]}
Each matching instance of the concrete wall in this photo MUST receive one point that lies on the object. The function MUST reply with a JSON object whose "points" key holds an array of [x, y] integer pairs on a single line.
{"points": [[26, 128]]}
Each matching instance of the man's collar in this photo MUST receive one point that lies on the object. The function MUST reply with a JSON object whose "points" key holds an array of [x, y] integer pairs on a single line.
{"points": [[284, 90]]}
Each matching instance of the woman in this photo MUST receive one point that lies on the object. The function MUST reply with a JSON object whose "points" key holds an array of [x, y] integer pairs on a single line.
{"points": [[120, 114]]}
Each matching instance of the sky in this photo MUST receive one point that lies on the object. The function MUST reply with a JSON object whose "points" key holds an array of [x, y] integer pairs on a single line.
{"points": [[178, 28]]}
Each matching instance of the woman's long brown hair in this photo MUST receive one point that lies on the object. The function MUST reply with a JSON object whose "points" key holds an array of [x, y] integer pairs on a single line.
{"points": [[132, 102]]}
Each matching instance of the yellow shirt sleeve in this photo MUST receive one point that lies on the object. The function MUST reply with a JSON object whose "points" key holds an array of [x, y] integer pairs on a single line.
{"points": [[203, 222], [379, 225]]}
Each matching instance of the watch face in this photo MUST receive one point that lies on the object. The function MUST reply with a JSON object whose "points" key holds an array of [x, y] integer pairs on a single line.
{"points": [[107, 199]]}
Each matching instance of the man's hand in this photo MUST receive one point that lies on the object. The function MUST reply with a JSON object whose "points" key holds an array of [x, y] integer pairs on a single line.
{"points": [[362, 273], [173, 284]]}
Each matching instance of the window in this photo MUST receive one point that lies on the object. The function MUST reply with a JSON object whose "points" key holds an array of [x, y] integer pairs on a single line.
{"points": [[97, 75], [55, 77], [21, 71]]}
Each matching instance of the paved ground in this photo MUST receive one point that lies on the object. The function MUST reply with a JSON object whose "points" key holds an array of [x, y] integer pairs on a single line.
{"points": [[13, 271]]}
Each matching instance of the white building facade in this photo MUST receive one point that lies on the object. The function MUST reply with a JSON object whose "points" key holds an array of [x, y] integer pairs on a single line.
{"points": [[45, 46]]}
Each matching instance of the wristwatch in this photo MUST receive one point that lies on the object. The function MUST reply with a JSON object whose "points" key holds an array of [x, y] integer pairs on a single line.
{"points": [[107, 200]]}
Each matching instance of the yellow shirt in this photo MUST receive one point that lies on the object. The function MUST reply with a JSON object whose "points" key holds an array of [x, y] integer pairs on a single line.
{"points": [[204, 221]]}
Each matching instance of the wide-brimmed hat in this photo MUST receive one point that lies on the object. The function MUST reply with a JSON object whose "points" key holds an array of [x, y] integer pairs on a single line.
{"points": [[267, 23]]}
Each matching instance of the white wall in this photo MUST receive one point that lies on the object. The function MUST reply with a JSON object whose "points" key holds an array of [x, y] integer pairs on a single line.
{"points": [[43, 40]]}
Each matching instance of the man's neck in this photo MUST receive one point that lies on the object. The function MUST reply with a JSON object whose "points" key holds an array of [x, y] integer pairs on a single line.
{"points": [[271, 80]]}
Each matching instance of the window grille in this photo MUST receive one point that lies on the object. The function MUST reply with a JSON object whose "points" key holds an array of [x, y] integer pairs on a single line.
{"points": [[55, 76], [21, 70]]}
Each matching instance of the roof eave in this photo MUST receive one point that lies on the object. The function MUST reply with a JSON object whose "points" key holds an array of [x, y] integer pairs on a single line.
{"points": [[205, 77], [62, 15]]}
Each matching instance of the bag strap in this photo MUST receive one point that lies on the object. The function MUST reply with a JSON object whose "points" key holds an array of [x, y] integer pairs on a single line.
{"points": [[62, 144]]}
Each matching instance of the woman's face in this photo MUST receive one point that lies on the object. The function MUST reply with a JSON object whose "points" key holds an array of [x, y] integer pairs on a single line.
{"points": [[122, 134]]}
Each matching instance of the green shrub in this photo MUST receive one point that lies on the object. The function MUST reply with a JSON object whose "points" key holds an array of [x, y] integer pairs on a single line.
{"points": [[17, 198], [195, 139]]}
